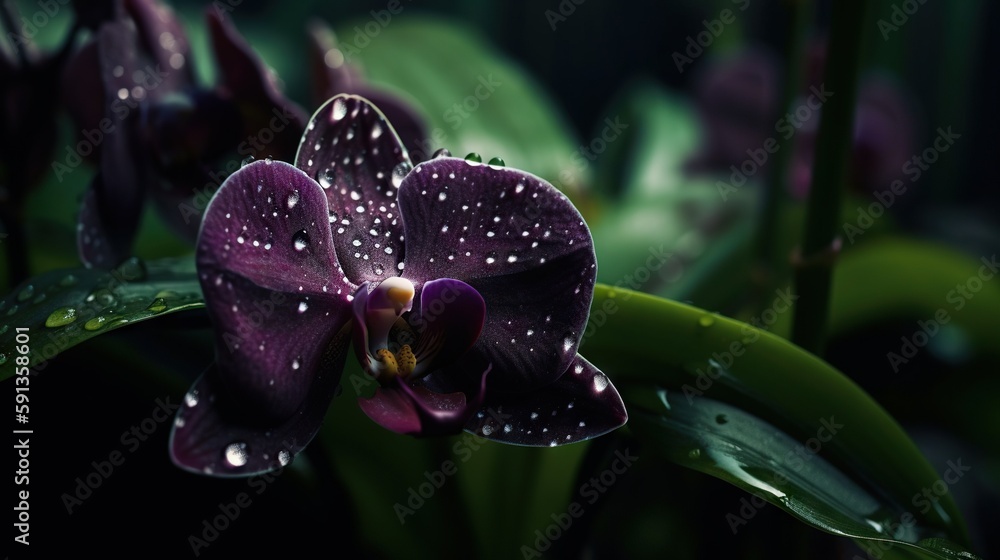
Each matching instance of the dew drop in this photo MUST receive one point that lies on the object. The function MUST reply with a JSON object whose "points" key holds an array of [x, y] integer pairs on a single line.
{"points": [[295, 363], [473, 156], [339, 109], [376, 131], [284, 457], [706, 321], [131, 270], [303, 306], [443, 152], [567, 344], [487, 429], [300, 240], [399, 172], [3, 359], [442, 196], [293, 199], [26, 293], [61, 317], [512, 258], [236, 454], [497, 162], [600, 382], [246, 161], [191, 399], [325, 178], [159, 305]]}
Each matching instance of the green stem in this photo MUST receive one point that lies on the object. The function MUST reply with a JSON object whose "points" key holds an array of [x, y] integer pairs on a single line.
{"points": [[769, 266], [815, 267]]}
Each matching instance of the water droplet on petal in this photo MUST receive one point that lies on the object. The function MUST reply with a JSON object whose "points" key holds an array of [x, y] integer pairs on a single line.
{"points": [[284, 457], [293, 199], [473, 156], [399, 172], [497, 162], [443, 152], [191, 398], [600, 382], [61, 317], [236, 454], [487, 429], [303, 306], [325, 178], [339, 109], [159, 305], [706, 321], [247, 161], [300, 240]]}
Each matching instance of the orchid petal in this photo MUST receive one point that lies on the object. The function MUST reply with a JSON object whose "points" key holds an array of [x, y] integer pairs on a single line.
{"points": [[272, 284], [580, 405], [164, 39], [419, 411], [354, 154], [517, 241], [449, 321], [214, 435], [251, 86]]}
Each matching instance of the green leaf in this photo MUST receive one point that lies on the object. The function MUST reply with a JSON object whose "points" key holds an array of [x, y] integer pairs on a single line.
{"points": [[63, 308], [730, 400], [474, 99]]}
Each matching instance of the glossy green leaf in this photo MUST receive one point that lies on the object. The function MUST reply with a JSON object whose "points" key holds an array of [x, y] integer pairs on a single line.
{"points": [[683, 370], [63, 308]]}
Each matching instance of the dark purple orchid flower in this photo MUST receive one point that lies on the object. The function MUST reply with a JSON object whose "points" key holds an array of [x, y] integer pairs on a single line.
{"points": [[152, 127], [463, 289]]}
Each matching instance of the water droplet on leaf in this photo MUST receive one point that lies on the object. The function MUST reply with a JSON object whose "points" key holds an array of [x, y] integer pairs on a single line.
{"points": [[61, 317]]}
